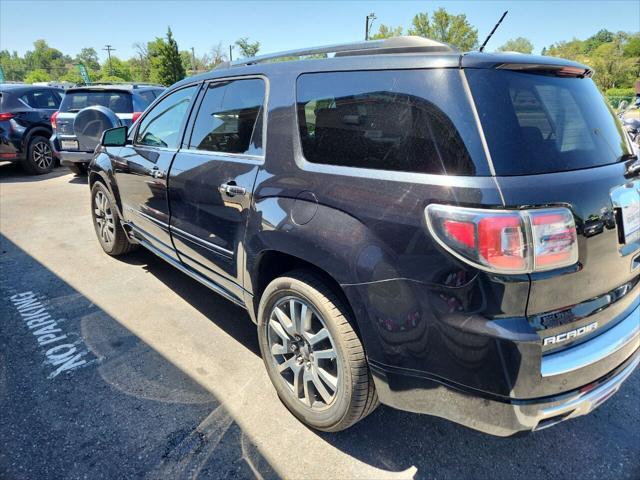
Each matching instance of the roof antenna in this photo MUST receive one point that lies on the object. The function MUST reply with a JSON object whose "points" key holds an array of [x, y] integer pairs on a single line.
{"points": [[493, 31]]}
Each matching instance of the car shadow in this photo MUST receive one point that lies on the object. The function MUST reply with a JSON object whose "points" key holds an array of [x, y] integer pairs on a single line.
{"points": [[12, 172], [126, 412]]}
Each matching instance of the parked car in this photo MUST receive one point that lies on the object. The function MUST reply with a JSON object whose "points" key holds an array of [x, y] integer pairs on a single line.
{"points": [[25, 112], [404, 223], [88, 111]]}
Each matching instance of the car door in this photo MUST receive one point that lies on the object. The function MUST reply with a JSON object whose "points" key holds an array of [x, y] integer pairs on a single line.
{"points": [[211, 179], [141, 168]]}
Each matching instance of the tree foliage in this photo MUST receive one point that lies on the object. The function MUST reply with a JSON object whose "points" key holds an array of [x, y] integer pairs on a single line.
{"points": [[168, 62], [247, 48], [615, 57], [520, 44], [445, 27], [385, 31]]}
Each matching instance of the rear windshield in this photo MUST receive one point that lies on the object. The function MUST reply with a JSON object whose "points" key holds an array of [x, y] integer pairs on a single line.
{"points": [[117, 101], [540, 124]]}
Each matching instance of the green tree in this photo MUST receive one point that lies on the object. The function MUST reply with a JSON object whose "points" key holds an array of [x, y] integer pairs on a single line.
{"points": [[385, 31], [247, 48], [43, 57], [117, 68], [13, 65], [89, 58], [38, 75], [594, 41], [632, 47], [519, 44], [168, 63], [445, 27]]}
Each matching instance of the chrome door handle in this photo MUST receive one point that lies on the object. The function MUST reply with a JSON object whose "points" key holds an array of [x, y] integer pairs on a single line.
{"points": [[155, 173], [232, 189]]}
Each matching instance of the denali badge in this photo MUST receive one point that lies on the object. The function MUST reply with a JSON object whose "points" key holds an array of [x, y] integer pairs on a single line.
{"points": [[563, 337]]}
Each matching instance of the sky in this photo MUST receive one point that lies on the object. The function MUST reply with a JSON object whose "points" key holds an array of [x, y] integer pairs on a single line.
{"points": [[284, 25]]}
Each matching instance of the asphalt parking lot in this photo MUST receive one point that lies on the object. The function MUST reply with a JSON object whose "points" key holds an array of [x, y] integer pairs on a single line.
{"points": [[149, 374]]}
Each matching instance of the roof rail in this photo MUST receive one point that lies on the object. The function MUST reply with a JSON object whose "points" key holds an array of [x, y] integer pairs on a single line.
{"points": [[404, 44]]}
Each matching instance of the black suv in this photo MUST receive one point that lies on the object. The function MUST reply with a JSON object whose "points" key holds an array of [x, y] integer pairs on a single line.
{"points": [[89, 110], [446, 233], [25, 113]]}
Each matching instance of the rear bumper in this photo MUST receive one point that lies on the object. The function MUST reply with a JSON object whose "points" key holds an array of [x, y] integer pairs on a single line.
{"points": [[541, 389], [68, 157], [501, 418]]}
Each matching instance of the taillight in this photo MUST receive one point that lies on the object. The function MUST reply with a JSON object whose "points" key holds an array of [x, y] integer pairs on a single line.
{"points": [[54, 122], [136, 116], [503, 241], [6, 116]]}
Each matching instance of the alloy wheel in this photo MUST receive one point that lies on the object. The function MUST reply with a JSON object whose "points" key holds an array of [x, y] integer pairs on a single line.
{"points": [[42, 155], [103, 215], [304, 352]]}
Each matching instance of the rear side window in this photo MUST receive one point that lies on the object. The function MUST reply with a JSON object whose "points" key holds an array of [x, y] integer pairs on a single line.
{"points": [[116, 101], [388, 120], [45, 99], [540, 124], [229, 118], [147, 97]]}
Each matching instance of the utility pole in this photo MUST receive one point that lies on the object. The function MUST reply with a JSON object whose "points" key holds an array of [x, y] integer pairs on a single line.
{"points": [[193, 59], [231, 53], [109, 48], [368, 23]]}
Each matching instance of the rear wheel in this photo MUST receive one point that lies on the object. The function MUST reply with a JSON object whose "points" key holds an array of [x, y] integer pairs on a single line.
{"points": [[106, 222], [78, 168], [312, 354], [39, 156]]}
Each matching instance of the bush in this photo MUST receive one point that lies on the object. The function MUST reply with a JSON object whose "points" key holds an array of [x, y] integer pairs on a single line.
{"points": [[616, 95], [38, 75]]}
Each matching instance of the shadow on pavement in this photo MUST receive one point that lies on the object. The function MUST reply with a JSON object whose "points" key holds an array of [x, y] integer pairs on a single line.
{"points": [[125, 412], [12, 172]]}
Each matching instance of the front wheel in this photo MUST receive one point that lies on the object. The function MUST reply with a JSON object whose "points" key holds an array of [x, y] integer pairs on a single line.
{"points": [[313, 356], [106, 222]]}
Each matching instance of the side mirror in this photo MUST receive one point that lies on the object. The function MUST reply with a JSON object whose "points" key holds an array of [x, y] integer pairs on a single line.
{"points": [[114, 137]]}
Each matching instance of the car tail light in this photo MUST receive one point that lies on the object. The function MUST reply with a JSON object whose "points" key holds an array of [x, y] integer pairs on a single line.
{"points": [[54, 121], [136, 116], [503, 241], [6, 116]]}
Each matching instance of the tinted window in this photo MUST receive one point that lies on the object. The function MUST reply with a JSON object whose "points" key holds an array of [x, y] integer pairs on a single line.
{"points": [[147, 97], [229, 118], [46, 99], [161, 126], [539, 124], [117, 101], [390, 120]]}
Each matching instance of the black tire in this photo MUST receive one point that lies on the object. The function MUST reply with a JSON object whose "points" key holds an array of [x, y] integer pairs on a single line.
{"points": [[114, 240], [355, 396], [79, 169], [40, 157]]}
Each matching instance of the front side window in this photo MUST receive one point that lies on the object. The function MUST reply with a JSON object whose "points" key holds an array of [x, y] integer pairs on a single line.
{"points": [[229, 118], [162, 125], [383, 120]]}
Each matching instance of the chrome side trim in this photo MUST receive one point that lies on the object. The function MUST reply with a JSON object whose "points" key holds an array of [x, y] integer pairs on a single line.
{"points": [[207, 283], [592, 351], [202, 243]]}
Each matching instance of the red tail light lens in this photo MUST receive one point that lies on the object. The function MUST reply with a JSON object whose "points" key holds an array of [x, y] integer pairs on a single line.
{"points": [[6, 116], [54, 122], [504, 241], [136, 116]]}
